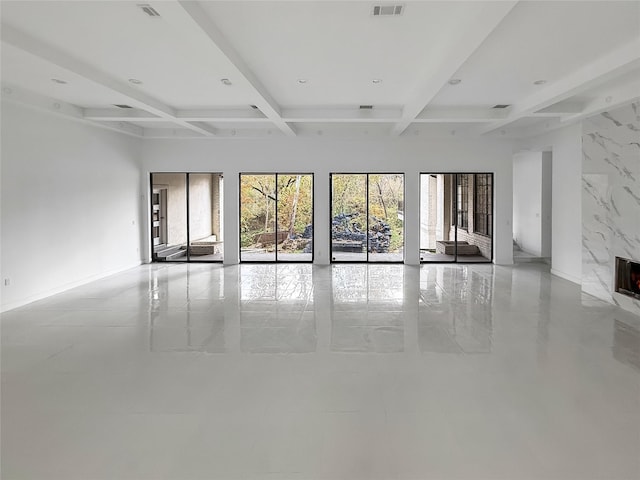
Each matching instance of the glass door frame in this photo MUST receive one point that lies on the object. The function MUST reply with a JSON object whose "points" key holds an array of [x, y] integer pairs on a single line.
{"points": [[455, 217], [187, 214], [313, 200], [404, 229]]}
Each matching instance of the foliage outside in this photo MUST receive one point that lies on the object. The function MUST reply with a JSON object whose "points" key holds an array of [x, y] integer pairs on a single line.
{"points": [[258, 211], [386, 200]]}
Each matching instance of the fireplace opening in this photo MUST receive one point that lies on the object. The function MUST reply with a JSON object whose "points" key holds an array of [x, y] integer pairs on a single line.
{"points": [[628, 277]]}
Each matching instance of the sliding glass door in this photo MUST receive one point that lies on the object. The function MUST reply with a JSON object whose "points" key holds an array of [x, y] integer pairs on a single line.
{"points": [[276, 217], [456, 217], [367, 217], [187, 217]]}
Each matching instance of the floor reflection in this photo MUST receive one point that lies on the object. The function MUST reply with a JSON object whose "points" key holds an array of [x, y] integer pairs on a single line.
{"points": [[276, 309], [367, 308], [186, 311], [455, 313], [626, 344]]}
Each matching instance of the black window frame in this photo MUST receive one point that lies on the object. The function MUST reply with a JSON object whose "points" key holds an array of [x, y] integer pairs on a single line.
{"points": [[313, 216], [483, 204]]}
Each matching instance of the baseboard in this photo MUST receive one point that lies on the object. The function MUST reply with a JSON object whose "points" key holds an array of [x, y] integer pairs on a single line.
{"points": [[68, 286], [566, 276]]}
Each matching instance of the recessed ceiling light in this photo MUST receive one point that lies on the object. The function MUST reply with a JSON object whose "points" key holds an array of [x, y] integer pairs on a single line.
{"points": [[539, 82], [58, 81], [376, 81], [225, 81], [302, 80], [454, 81], [135, 81]]}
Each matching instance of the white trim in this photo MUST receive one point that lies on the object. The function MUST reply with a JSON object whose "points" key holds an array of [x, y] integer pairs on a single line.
{"points": [[48, 293], [566, 276]]}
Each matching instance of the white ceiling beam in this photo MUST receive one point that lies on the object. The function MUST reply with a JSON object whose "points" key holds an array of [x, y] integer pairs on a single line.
{"points": [[460, 115], [307, 115], [609, 99], [222, 115], [561, 108], [469, 39], [617, 63], [342, 115], [605, 100], [196, 17], [198, 115], [170, 133], [134, 96], [14, 94], [240, 133], [120, 115]]}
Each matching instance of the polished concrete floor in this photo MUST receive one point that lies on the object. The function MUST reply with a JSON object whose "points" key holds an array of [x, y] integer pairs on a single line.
{"points": [[175, 371]]}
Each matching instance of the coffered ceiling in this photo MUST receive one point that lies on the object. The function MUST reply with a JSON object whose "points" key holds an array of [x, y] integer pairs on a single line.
{"points": [[250, 69]]}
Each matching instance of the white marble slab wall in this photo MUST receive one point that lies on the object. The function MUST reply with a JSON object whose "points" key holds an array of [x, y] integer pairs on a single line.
{"points": [[610, 200]]}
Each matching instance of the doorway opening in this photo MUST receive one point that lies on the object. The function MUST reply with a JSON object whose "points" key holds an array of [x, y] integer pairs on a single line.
{"points": [[187, 217], [456, 217], [532, 206], [367, 217], [276, 217]]}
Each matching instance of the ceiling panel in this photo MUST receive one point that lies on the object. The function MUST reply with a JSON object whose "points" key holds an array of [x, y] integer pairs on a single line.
{"points": [[339, 48], [34, 74], [174, 64], [540, 41]]}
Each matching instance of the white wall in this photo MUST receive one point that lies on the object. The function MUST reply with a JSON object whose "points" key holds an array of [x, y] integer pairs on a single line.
{"points": [[70, 202], [324, 155], [566, 149], [527, 201]]}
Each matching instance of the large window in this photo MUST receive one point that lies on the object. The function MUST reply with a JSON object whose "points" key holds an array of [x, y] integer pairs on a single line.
{"points": [[367, 217], [187, 217], [455, 217], [276, 217], [483, 204]]}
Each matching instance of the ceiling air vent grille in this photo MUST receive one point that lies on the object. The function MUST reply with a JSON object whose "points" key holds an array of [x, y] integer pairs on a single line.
{"points": [[148, 9], [122, 106], [501, 106], [366, 107], [387, 10]]}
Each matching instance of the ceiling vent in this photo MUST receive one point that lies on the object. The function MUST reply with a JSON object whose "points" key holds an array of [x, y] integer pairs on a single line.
{"points": [[366, 107], [123, 106], [255, 107], [387, 10], [501, 106], [148, 9]]}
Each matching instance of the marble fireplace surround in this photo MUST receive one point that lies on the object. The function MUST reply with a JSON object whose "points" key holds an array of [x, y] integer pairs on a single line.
{"points": [[610, 200]]}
